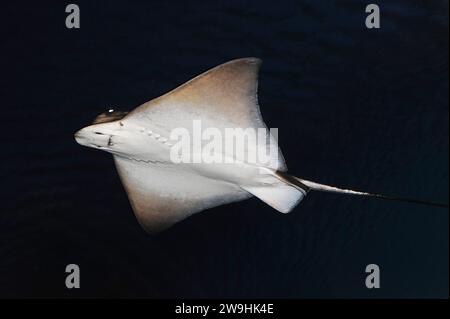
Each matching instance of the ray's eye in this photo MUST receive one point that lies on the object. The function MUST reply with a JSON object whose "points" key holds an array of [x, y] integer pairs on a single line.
{"points": [[109, 116]]}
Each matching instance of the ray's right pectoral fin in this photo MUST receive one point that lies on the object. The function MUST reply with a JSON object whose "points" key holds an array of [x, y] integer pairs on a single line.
{"points": [[162, 195]]}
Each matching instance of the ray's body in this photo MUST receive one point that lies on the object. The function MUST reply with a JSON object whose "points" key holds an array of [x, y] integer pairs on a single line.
{"points": [[162, 192]]}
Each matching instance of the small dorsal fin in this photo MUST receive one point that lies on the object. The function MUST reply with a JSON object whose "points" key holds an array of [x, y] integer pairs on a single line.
{"points": [[228, 91]]}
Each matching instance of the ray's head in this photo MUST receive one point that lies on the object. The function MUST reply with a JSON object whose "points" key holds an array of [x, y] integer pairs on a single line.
{"points": [[109, 116], [105, 132]]}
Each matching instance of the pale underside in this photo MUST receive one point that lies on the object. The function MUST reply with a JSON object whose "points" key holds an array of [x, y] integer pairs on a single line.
{"points": [[163, 193]]}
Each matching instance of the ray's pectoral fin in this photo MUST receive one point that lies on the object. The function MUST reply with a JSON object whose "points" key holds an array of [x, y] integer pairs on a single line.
{"points": [[228, 92], [223, 97], [162, 195]]}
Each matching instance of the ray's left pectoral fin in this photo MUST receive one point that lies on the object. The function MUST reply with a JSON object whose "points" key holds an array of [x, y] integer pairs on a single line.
{"points": [[162, 195]]}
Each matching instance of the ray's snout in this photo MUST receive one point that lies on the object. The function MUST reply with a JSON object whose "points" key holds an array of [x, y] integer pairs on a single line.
{"points": [[89, 137], [80, 137], [95, 136]]}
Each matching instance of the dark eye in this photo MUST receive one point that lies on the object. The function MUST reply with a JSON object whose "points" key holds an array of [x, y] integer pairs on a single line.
{"points": [[109, 116]]}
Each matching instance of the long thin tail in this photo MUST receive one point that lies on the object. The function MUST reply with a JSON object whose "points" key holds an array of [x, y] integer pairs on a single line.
{"points": [[308, 186]]}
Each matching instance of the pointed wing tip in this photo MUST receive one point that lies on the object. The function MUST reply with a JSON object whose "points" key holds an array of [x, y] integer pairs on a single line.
{"points": [[247, 60], [243, 61]]}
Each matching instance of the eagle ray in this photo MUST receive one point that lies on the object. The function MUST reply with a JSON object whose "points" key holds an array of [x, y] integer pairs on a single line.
{"points": [[162, 192]]}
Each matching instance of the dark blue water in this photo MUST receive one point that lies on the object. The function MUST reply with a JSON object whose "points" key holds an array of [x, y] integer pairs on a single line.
{"points": [[365, 109]]}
